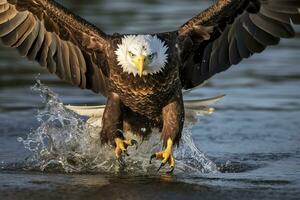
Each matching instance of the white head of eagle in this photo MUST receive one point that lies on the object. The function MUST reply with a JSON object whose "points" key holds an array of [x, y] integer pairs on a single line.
{"points": [[142, 54]]}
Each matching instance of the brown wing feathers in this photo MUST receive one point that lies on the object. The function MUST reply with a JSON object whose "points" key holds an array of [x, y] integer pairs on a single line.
{"points": [[44, 31], [241, 28]]}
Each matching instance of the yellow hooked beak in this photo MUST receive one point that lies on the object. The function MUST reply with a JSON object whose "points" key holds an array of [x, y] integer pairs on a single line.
{"points": [[139, 62]]}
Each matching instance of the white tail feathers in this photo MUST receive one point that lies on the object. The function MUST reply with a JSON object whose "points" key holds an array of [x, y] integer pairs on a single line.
{"points": [[193, 108]]}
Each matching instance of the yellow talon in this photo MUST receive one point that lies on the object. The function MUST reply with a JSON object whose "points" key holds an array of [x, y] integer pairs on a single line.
{"points": [[166, 156], [121, 146]]}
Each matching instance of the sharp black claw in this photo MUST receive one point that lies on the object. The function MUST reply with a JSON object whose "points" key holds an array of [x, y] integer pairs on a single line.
{"points": [[134, 142], [151, 157], [125, 152], [171, 171], [161, 165], [121, 161]]}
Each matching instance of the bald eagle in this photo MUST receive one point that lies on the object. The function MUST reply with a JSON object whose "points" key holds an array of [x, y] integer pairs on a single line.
{"points": [[143, 76]]}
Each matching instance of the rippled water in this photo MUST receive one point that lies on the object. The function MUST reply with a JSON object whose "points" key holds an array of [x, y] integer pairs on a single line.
{"points": [[253, 137]]}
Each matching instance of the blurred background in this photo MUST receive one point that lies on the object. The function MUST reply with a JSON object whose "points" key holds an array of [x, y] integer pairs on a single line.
{"points": [[255, 126]]}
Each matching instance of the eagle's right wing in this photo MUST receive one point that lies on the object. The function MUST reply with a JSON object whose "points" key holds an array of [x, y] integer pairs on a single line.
{"points": [[67, 45]]}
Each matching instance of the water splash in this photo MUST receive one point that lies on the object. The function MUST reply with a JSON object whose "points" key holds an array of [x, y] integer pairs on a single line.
{"points": [[65, 142]]}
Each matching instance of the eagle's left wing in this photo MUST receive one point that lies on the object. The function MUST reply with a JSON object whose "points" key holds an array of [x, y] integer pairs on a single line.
{"points": [[229, 31]]}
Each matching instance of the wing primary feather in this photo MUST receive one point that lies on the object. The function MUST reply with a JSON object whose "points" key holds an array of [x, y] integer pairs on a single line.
{"points": [[60, 68], [19, 34], [282, 8], [30, 28], [205, 62], [51, 64], [82, 67], [224, 49], [8, 14], [10, 25], [272, 27], [4, 7], [253, 45], [244, 52], [66, 60], [74, 65], [214, 61], [259, 35], [44, 50], [37, 43], [234, 55], [28, 42], [3, 2], [284, 18]]}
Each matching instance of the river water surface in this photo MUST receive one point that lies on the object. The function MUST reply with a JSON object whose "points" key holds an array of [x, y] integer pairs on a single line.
{"points": [[248, 149]]}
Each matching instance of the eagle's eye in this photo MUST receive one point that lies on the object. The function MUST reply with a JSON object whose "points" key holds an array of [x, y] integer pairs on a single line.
{"points": [[151, 56], [131, 54]]}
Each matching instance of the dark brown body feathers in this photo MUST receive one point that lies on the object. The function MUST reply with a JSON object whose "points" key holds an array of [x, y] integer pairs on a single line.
{"points": [[142, 99]]}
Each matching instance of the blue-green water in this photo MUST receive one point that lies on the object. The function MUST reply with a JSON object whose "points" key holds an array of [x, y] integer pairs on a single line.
{"points": [[253, 137]]}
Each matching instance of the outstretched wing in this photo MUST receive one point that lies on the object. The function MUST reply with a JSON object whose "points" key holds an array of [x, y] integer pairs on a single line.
{"points": [[67, 45], [231, 30]]}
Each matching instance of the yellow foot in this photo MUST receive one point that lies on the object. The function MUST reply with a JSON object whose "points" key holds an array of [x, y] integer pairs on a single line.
{"points": [[166, 156], [121, 147]]}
